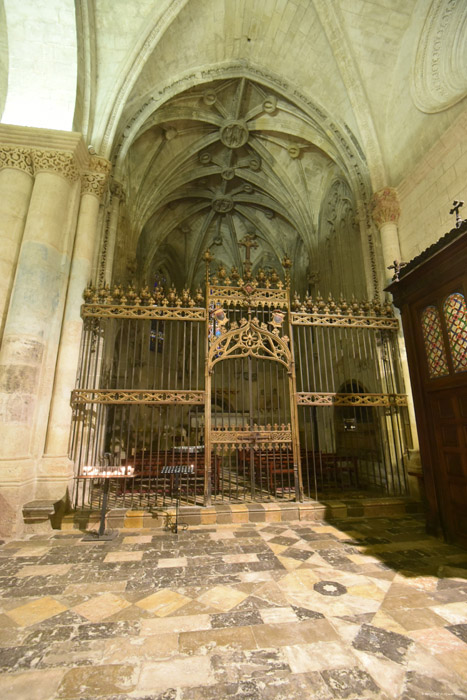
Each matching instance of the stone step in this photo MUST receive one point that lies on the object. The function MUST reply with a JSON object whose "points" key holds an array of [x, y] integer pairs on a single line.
{"points": [[225, 514]]}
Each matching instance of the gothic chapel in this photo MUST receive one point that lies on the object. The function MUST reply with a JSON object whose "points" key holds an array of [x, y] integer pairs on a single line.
{"points": [[202, 205]]}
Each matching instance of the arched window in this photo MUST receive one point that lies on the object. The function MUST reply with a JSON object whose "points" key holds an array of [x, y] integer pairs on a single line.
{"points": [[455, 315], [434, 343]]}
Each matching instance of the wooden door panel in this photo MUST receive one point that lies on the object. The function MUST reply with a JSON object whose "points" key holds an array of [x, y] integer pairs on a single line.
{"points": [[449, 422]]}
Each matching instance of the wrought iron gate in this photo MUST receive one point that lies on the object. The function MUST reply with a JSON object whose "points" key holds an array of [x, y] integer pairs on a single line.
{"points": [[267, 398]]}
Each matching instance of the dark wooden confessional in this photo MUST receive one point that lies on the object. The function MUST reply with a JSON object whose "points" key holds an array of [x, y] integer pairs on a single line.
{"points": [[431, 295]]}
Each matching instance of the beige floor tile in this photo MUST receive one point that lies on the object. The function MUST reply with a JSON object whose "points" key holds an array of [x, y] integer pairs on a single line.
{"points": [[277, 548], [181, 673], [44, 570], [369, 591], [304, 658], [81, 589], [239, 558], [438, 640], [32, 551], [417, 619], [168, 625], [31, 685], [36, 611], [455, 613], [194, 607], [168, 563], [298, 581], [289, 563], [137, 539], [421, 583], [164, 602], [276, 615], [416, 599], [94, 681], [102, 606], [387, 622], [120, 650], [285, 634], [455, 660], [116, 557], [204, 641], [255, 576], [223, 598]]}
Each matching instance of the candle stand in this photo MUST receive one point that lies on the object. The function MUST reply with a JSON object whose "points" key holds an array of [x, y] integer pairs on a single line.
{"points": [[177, 470], [104, 473]]}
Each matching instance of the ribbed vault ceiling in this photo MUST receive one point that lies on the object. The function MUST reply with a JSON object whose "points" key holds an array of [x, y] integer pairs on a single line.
{"points": [[222, 160]]}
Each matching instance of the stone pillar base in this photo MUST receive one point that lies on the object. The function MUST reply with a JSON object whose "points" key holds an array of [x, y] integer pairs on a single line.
{"points": [[16, 489], [54, 478]]}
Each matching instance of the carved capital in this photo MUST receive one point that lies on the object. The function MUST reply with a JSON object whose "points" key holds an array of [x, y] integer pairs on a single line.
{"points": [[16, 157], [56, 162], [116, 190], [100, 165], [94, 181], [386, 207]]}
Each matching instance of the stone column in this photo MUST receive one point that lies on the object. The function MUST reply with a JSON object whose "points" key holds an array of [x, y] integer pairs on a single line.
{"points": [[16, 181], [30, 339], [386, 214], [56, 470], [109, 239]]}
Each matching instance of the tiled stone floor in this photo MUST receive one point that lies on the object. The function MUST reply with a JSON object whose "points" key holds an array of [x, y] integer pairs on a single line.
{"points": [[354, 609]]}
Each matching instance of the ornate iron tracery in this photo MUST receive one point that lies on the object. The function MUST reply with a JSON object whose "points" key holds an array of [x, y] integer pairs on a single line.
{"points": [[267, 397]]}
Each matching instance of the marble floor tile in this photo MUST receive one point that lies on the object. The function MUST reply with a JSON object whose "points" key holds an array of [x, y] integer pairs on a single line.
{"points": [[102, 606], [275, 615], [163, 603], [222, 598], [319, 656], [168, 625], [165, 563], [365, 609], [116, 557], [36, 611], [180, 673]]}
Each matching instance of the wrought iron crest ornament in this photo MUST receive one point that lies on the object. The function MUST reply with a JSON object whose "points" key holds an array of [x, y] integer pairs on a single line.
{"points": [[250, 339], [456, 205], [397, 267]]}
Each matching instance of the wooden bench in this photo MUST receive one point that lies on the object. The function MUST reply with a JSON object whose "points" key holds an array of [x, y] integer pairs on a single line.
{"points": [[332, 467]]}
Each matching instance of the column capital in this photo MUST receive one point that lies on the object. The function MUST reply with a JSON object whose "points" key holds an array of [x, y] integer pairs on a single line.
{"points": [[94, 180], [16, 157], [116, 190], [386, 208], [58, 162]]}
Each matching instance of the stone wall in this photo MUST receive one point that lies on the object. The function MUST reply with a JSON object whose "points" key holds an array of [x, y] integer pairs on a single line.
{"points": [[427, 193]]}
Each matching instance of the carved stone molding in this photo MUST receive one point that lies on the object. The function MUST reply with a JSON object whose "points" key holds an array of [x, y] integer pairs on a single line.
{"points": [[116, 190], [100, 165], [386, 207], [439, 76], [56, 162], [17, 158]]}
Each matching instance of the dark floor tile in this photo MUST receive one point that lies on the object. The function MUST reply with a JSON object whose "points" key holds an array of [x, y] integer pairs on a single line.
{"points": [[236, 619], [381, 642], [350, 682], [305, 614]]}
